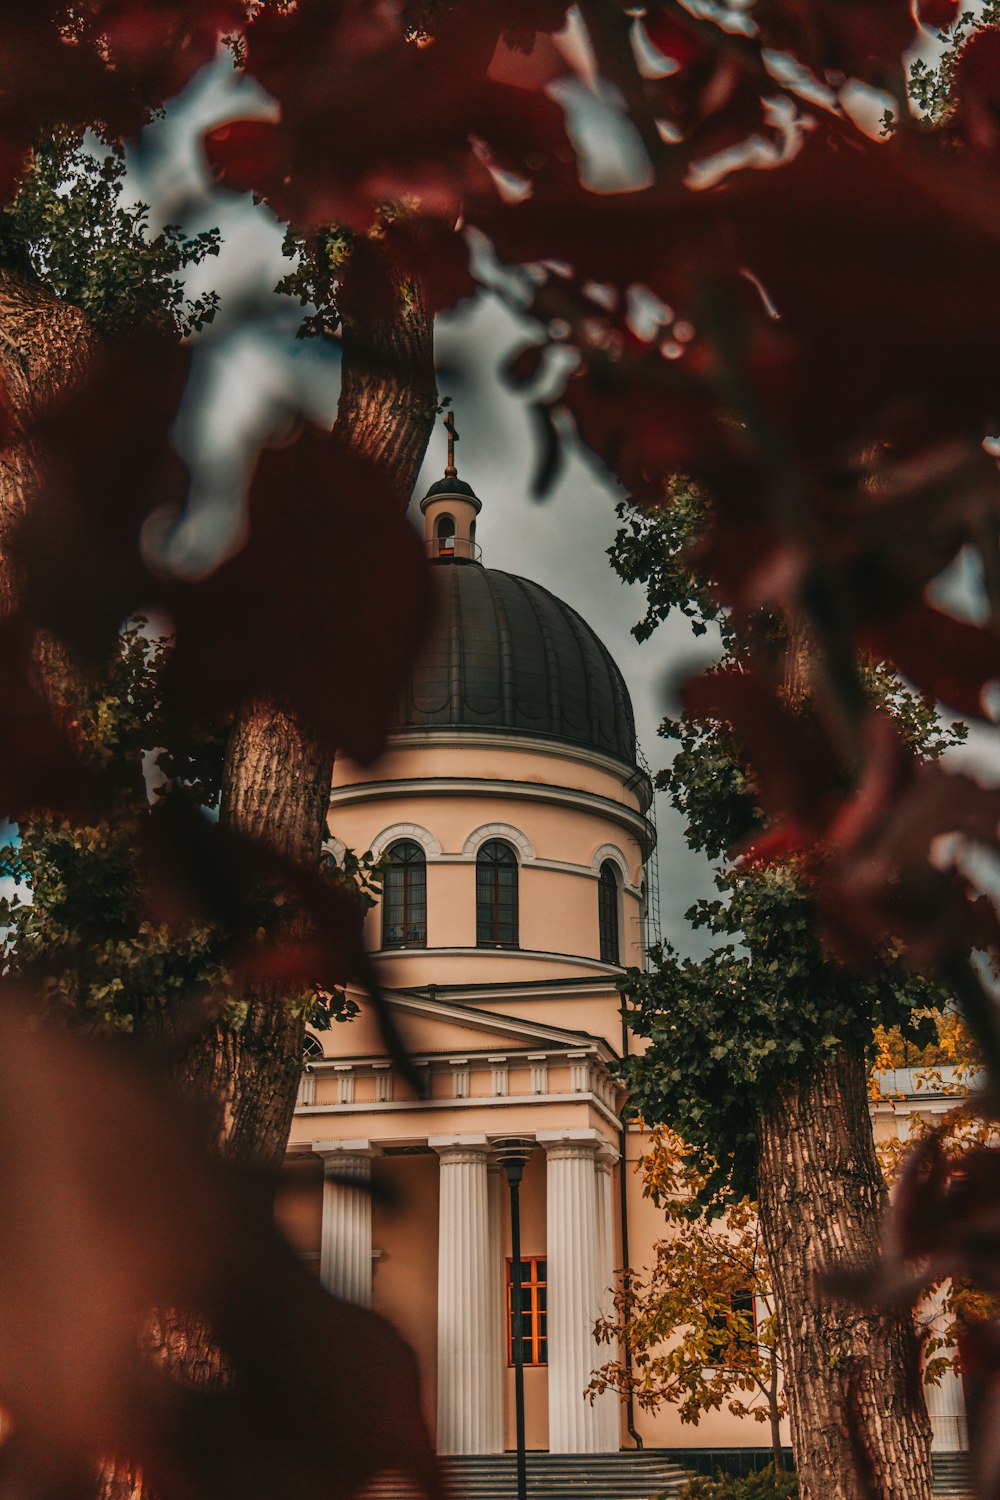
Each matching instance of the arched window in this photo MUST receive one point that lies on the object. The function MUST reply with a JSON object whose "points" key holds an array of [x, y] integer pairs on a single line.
{"points": [[404, 897], [496, 896], [607, 912], [445, 534], [312, 1049]]}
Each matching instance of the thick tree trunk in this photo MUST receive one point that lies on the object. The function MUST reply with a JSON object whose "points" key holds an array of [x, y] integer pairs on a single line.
{"points": [[276, 787], [774, 1416], [859, 1426], [44, 344], [276, 781]]}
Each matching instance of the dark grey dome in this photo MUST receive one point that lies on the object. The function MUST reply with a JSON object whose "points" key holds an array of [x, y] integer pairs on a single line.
{"points": [[506, 654], [451, 486]]}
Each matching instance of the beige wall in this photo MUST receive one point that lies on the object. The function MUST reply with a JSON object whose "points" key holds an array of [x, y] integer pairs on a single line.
{"points": [[563, 824], [405, 1239]]}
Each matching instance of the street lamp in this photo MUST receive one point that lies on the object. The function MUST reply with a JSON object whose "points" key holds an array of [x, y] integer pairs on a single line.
{"points": [[512, 1152]]}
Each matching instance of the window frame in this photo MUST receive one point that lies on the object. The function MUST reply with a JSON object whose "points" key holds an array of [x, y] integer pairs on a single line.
{"points": [[489, 868], [408, 874], [609, 906], [531, 1325], [443, 537]]}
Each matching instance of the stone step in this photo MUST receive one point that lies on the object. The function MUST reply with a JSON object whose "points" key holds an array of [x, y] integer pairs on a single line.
{"points": [[953, 1477], [631, 1475]]}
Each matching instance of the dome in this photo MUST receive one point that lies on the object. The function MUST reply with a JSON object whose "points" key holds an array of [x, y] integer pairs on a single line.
{"points": [[507, 655], [451, 486]]}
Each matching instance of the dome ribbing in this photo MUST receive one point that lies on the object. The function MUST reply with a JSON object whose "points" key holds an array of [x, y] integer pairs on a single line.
{"points": [[508, 655]]}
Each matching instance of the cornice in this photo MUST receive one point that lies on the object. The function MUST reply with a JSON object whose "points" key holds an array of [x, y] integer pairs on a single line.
{"points": [[632, 778], [499, 1101], [535, 954], [522, 791]]}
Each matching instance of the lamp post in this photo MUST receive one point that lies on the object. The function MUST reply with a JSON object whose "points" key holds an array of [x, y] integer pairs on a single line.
{"points": [[512, 1153]]}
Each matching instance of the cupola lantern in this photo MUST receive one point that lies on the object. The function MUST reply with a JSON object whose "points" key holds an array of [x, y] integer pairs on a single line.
{"points": [[450, 508]]}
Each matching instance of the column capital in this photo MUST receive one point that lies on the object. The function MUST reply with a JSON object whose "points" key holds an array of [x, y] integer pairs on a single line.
{"points": [[563, 1144], [340, 1155], [607, 1156], [459, 1148]]}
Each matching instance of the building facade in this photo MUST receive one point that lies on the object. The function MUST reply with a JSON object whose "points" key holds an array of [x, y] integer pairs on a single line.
{"points": [[513, 814]]}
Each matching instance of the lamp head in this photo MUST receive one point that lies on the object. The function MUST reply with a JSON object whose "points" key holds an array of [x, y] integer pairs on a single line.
{"points": [[512, 1151]]}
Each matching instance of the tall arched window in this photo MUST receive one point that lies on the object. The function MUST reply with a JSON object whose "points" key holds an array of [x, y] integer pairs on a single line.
{"points": [[496, 896], [445, 534], [607, 912], [404, 897]]}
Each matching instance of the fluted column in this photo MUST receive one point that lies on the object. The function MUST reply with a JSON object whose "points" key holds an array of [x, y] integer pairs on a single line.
{"points": [[575, 1426], [345, 1257], [607, 1402], [946, 1399], [469, 1416], [498, 1209]]}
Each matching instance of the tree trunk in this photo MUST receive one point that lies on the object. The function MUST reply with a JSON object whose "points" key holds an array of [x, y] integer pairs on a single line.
{"points": [[44, 345], [774, 1417], [859, 1425], [276, 780]]}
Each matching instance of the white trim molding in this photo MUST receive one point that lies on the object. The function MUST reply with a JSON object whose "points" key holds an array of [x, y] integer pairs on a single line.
{"points": [[419, 835], [505, 831], [357, 792], [617, 858]]}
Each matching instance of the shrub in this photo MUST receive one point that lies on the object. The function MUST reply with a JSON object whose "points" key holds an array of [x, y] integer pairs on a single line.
{"points": [[763, 1486]]}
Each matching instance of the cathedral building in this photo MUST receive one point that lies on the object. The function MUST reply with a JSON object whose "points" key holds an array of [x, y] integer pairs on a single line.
{"points": [[513, 815]]}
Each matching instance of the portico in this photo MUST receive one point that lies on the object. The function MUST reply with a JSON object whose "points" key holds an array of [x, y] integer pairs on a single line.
{"points": [[553, 1088]]}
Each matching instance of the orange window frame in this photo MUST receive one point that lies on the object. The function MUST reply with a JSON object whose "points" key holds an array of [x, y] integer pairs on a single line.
{"points": [[532, 1316]]}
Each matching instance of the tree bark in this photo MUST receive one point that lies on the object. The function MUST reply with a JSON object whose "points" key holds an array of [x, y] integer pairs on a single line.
{"points": [[44, 345], [276, 779], [859, 1425]]}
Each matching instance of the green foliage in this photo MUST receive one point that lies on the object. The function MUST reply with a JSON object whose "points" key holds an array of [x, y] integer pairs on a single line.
{"points": [[76, 927], [69, 225], [652, 548], [768, 1002], [932, 88], [319, 260], [688, 1320], [763, 1486]]}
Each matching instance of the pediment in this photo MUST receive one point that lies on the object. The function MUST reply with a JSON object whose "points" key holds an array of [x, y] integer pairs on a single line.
{"points": [[429, 1024]]}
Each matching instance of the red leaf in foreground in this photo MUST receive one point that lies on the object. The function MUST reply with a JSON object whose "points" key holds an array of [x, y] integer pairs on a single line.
{"points": [[350, 140], [953, 662], [792, 764], [977, 87], [853, 38], [109, 1209], [938, 15], [109, 463], [321, 611]]}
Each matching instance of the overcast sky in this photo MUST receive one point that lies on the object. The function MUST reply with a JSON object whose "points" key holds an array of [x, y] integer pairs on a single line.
{"points": [[243, 373], [246, 369]]}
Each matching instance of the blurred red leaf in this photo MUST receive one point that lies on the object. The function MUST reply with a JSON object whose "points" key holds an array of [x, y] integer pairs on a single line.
{"points": [[938, 15], [320, 611], [977, 89], [109, 1209], [348, 79], [853, 39], [953, 662]]}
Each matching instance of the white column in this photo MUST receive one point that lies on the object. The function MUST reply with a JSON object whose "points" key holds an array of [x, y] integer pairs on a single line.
{"points": [[946, 1400], [498, 1208], [607, 1402], [469, 1417], [345, 1256], [575, 1426]]}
